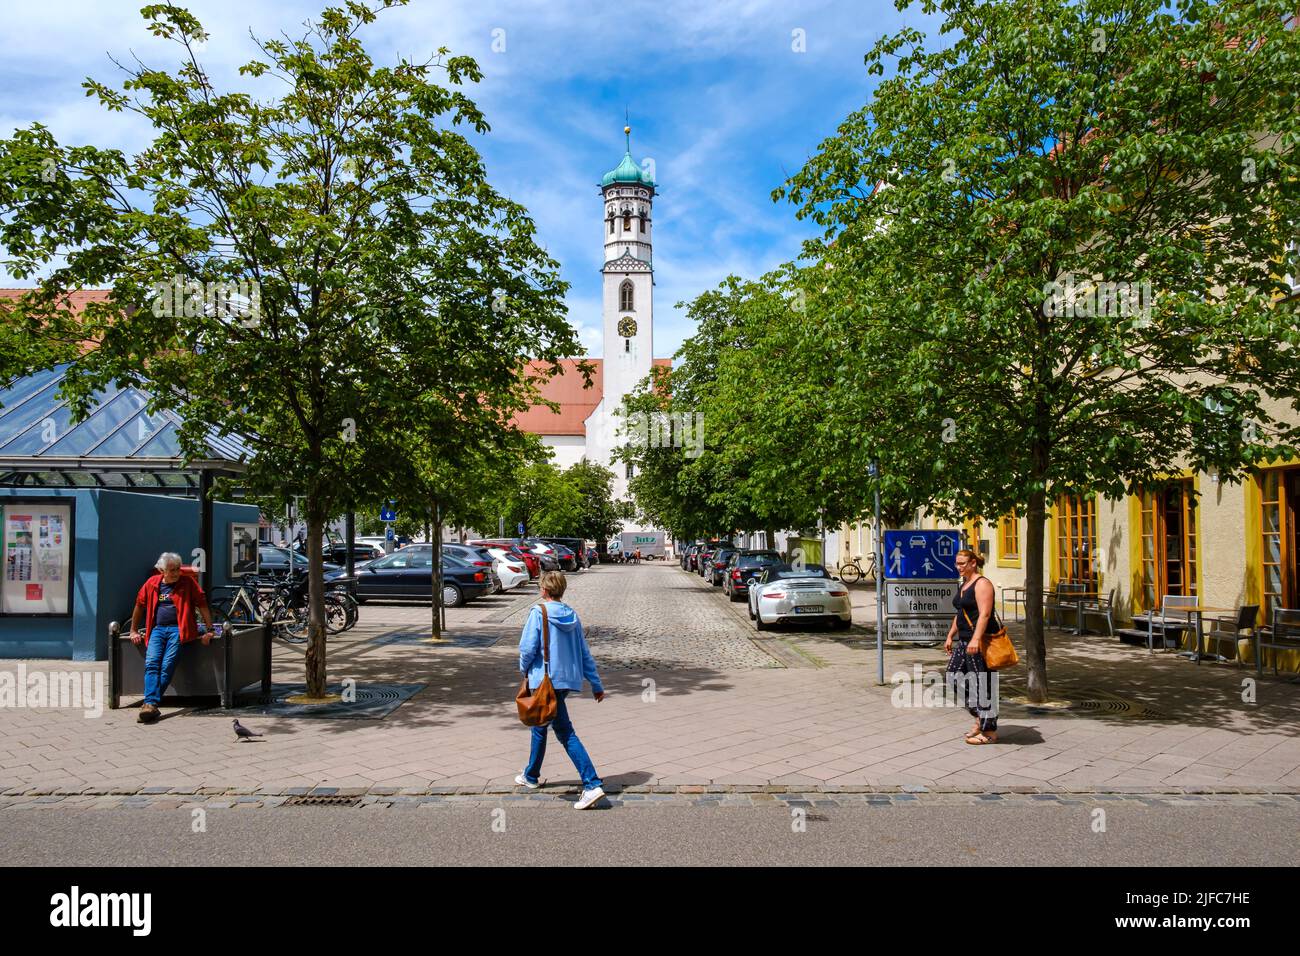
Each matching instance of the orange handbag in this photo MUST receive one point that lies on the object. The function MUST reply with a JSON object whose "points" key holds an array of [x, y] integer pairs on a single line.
{"points": [[537, 708], [998, 650]]}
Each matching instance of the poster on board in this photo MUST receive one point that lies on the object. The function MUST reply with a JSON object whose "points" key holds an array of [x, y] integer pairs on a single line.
{"points": [[243, 549], [36, 539]]}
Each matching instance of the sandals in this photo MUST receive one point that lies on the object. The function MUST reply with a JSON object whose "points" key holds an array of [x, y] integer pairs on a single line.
{"points": [[980, 739]]}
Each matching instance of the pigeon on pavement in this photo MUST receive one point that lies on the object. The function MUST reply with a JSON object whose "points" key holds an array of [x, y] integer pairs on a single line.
{"points": [[242, 732]]}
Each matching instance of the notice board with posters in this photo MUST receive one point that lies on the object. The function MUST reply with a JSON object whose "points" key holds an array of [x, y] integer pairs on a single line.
{"points": [[36, 538]]}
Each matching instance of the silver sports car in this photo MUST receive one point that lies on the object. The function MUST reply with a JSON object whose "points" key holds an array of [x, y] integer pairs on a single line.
{"points": [[784, 593]]}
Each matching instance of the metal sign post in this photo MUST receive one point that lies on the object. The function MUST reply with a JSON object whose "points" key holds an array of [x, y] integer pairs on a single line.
{"points": [[874, 472]]}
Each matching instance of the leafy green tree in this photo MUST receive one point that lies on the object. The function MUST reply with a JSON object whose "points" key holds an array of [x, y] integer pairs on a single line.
{"points": [[361, 233], [1051, 142], [542, 500], [599, 515]]}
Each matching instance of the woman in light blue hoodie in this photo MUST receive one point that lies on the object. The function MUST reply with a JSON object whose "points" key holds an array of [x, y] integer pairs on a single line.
{"points": [[571, 663]]}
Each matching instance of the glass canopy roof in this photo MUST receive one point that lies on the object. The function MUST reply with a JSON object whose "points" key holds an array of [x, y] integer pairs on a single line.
{"points": [[118, 444]]}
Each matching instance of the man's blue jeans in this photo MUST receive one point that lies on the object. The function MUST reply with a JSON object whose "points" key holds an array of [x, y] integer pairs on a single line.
{"points": [[569, 740], [160, 662]]}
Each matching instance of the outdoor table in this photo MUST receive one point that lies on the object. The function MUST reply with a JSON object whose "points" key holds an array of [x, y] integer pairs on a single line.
{"points": [[1078, 599], [1198, 611]]}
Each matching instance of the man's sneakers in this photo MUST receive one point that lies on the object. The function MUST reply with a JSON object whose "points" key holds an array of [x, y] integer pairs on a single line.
{"points": [[588, 798], [149, 714], [523, 782]]}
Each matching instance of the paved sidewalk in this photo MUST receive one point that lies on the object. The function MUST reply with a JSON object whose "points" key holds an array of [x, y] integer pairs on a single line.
{"points": [[696, 701]]}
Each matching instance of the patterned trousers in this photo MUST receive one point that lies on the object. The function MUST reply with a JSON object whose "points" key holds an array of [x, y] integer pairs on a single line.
{"points": [[969, 675]]}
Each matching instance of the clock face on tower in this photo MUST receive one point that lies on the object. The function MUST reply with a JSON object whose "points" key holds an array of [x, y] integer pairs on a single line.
{"points": [[627, 326]]}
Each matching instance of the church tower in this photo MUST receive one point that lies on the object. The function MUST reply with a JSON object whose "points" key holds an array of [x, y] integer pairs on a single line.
{"points": [[628, 304]]}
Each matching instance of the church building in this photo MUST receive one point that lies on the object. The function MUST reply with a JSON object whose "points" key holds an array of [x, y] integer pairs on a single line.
{"points": [[586, 425]]}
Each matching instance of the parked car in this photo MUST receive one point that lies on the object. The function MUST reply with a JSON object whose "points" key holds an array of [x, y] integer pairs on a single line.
{"points": [[718, 566], [783, 592], [743, 568], [691, 558], [274, 560], [408, 575], [509, 568], [518, 548], [337, 553], [474, 556], [593, 557], [576, 545], [545, 553]]}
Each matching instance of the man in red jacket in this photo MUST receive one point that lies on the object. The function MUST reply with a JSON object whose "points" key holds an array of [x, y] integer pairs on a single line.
{"points": [[168, 601]]}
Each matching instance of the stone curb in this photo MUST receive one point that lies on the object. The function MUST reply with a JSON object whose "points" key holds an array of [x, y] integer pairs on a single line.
{"points": [[557, 798], [396, 794]]}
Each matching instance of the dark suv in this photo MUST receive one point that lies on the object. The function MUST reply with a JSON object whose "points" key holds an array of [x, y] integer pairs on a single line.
{"points": [[743, 568]]}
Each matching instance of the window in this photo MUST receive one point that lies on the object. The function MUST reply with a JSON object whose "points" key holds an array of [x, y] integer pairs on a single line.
{"points": [[643, 224], [629, 469], [1168, 546], [1280, 528], [1076, 540], [611, 225], [1009, 536], [627, 222], [625, 300]]}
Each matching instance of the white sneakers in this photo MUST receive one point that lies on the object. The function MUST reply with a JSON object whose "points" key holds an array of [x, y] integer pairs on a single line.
{"points": [[588, 798]]}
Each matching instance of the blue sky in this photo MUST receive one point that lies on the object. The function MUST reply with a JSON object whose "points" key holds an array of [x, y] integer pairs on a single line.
{"points": [[719, 98]]}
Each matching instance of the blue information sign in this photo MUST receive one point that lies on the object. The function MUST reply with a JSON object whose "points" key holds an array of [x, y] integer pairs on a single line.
{"points": [[388, 534], [387, 514], [921, 555], [521, 529]]}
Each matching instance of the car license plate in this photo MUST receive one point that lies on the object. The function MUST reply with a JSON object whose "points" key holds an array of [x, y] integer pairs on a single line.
{"points": [[808, 609]]}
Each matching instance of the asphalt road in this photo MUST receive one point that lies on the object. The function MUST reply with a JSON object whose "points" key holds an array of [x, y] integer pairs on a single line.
{"points": [[921, 834]]}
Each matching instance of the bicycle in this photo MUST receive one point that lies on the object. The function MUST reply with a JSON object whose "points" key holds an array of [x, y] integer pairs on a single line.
{"points": [[852, 571], [283, 602]]}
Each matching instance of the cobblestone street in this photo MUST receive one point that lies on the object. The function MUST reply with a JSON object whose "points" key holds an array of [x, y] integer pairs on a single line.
{"points": [[698, 702]]}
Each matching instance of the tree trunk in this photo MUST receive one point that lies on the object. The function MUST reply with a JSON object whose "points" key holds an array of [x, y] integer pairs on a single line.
{"points": [[770, 535], [1035, 646], [315, 600]]}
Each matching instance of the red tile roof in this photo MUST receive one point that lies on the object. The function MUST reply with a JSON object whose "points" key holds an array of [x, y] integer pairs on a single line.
{"points": [[576, 403], [566, 387], [77, 300]]}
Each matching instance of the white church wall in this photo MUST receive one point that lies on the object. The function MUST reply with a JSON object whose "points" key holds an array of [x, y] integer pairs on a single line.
{"points": [[566, 450]]}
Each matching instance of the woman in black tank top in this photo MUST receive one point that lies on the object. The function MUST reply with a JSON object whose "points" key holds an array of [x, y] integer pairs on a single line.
{"points": [[971, 628]]}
